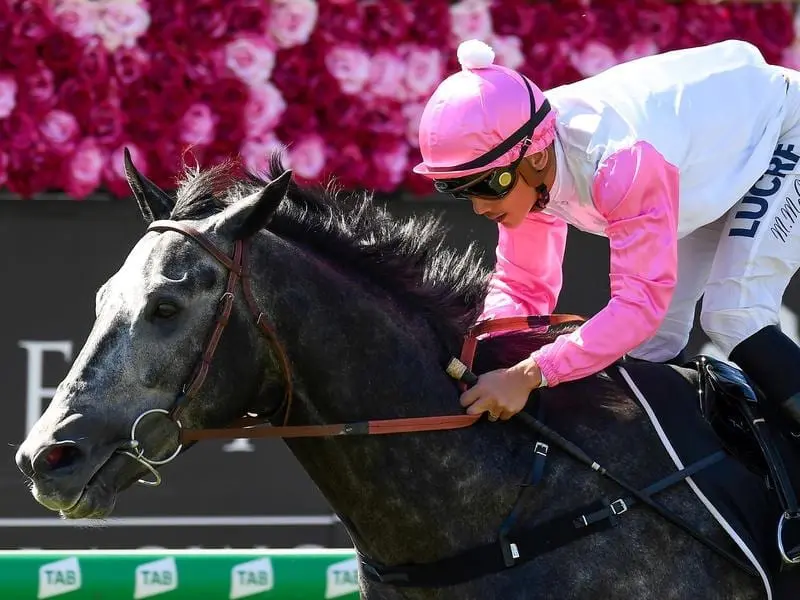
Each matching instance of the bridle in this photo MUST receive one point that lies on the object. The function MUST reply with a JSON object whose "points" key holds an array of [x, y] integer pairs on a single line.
{"points": [[257, 426]]}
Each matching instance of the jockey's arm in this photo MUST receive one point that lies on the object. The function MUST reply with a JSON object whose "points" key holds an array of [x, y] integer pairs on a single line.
{"points": [[527, 276], [636, 190]]}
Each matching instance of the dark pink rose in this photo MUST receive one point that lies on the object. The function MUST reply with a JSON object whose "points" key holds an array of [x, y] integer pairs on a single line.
{"points": [[129, 64], [207, 20], [3, 167], [106, 122], [387, 23], [75, 96], [247, 16], [60, 51]]}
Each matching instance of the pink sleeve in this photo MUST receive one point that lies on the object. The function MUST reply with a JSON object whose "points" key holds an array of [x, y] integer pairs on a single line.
{"points": [[527, 276], [636, 190]]}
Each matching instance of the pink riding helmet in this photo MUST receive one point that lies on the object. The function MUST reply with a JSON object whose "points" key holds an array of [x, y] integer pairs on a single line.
{"points": [[478, 118]]}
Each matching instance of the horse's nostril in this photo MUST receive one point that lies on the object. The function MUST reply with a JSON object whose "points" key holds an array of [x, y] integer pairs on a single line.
{"points": [[56, 457]]}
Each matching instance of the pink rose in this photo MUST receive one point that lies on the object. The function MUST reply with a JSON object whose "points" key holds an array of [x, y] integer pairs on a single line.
{"points": [[197, 125], [790, 58], [79, 18], [639, 49], [307, 157], [60, 129], [594, 58], [291, 21], [412, 114], [256, 152], [386, 75], [8, 95], [264, 108], [349, 65], [423, 70], [121, 23], [392, 163], [508, 51], [471, 19], [251, 59], [84, 169]]}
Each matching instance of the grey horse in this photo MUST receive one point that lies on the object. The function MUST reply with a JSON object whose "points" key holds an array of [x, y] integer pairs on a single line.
{"points": [[365, 308]]}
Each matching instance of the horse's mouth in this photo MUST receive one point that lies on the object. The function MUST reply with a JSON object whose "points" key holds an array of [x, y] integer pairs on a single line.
{"points": [[98, 497]]}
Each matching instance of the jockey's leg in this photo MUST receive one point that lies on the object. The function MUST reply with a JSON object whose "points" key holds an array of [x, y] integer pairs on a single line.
{"points": [[758, 253], [695, 255]]}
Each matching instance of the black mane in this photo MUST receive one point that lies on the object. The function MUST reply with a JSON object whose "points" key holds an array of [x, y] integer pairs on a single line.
{"points": [[407, 257]]}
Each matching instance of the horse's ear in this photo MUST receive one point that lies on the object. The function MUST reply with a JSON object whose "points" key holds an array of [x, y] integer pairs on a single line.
{"points": [[247, 216], [154, 203]]}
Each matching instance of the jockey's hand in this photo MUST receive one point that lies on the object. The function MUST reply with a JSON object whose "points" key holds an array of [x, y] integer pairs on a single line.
{"points": [[504, 392]]}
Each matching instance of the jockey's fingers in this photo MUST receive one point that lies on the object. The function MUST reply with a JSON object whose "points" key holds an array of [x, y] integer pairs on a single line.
{"points": [[482, 404], [471, 395], [506, 414]]}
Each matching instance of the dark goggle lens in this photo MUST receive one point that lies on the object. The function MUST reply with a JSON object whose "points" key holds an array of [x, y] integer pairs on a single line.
{"points": [[494, 184]]}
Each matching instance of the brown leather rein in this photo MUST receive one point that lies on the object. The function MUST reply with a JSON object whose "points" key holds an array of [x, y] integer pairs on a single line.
{"points": [[251, 426]]}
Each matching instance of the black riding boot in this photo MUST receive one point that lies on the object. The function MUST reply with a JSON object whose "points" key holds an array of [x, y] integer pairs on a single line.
{"points": [[772, 361]]}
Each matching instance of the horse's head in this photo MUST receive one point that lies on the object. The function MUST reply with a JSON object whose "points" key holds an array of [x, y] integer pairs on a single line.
{"points": [[158, 321]]}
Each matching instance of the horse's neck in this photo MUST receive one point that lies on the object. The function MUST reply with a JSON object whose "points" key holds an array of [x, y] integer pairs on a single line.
{"points": [[355, 357]]}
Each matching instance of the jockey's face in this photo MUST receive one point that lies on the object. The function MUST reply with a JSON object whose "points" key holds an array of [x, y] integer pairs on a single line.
{"points": [[512, 209]]}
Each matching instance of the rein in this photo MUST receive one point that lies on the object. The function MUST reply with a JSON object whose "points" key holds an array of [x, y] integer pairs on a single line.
{"points": [[258, 426]]}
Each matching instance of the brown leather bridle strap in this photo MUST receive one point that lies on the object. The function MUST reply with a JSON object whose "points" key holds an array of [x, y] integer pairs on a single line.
{"points": [[377, 427], [272, 339], [509, 324], [200, 238]]}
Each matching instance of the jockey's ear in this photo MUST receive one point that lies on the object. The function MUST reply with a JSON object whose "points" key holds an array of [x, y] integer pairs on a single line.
{"points": [[154, 203], [539, 160], [244, 218]]}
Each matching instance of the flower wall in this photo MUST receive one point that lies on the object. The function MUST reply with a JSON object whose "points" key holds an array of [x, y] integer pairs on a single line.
{"points": [[340, 83]]}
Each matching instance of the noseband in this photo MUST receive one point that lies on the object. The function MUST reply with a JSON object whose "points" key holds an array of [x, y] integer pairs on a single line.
{"points": [[254, 426]]}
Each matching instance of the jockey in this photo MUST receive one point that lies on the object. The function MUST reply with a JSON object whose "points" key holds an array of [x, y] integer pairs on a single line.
{"points": [[687, 161]]}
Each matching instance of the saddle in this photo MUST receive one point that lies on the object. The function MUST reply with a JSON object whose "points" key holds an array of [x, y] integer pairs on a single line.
{"points": [[730, 403]]}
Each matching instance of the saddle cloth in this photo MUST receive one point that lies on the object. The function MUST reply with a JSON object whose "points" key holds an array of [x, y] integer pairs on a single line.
{"points": [[736, 498]]}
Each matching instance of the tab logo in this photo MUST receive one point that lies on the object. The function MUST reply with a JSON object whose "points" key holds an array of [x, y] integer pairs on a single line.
{"points": [[252, 577], [342, 579], [156, 577], [59, 577]]}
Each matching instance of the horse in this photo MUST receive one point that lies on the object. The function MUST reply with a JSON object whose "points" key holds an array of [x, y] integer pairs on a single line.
{"points": [[309, 306]]}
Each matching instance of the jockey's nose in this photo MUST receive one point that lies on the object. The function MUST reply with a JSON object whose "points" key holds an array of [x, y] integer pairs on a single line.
{"points": [[479, 207]]}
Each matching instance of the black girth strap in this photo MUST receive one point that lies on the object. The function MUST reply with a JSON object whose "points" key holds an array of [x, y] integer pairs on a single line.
{"points": [[489, 558]]}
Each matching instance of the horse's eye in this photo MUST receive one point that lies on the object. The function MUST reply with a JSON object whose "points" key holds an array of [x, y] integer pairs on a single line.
{"points": [[165, 310]]}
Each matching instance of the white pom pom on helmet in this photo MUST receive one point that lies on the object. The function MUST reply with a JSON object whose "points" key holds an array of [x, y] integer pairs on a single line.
{"points": [[475, 54]]}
